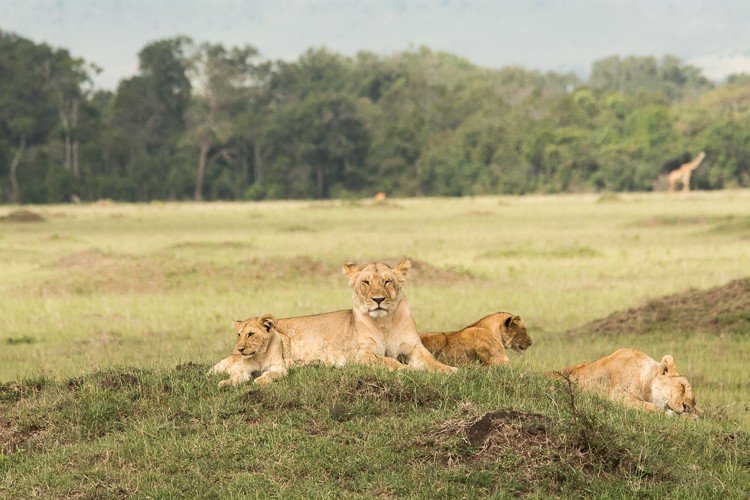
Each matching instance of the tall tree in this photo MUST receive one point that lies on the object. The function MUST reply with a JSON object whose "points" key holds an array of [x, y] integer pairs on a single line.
{"points": [[220, 77], [69, 82], [148, 116], [27, 113]]}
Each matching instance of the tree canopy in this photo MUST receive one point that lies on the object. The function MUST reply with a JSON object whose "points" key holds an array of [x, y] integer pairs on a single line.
{"points": [[205, 121]]}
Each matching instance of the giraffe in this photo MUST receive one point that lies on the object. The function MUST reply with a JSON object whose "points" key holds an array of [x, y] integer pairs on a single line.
{"points": [[683, 173]]}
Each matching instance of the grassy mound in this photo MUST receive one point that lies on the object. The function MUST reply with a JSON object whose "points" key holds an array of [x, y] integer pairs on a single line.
{"points": [[22, 216], [723, 309], [350, 432]]}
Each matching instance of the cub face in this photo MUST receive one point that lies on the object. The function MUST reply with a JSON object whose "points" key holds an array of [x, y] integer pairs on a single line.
{"points": [[376, 286], [520, 340], [254, 335]]}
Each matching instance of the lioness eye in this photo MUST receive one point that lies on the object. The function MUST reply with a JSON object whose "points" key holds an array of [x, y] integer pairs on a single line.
{"points": [[388, 282]]}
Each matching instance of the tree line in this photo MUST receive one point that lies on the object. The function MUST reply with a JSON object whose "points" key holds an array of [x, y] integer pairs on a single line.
{"points": [[204, 121]]}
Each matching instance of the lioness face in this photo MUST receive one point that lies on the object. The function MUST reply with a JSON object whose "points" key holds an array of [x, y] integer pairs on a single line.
{"points": [[377, 286], [254, 335], [673, 393]]}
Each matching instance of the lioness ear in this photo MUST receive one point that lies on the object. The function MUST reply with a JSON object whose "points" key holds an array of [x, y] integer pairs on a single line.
{"points": [[268, 321], [400, 270], [667, 364], [404, 265], [236, 324], [509, 321], [350, 269]]}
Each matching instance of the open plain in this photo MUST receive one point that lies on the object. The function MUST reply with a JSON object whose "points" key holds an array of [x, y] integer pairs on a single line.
{"points": [[111, 314]]}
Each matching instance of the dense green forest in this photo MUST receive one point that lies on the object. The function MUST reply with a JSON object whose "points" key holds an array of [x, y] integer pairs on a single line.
{"points": [[205, 121]]}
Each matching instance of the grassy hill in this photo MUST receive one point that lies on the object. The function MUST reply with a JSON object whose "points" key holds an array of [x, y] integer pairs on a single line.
{"points": [[351, 432]]}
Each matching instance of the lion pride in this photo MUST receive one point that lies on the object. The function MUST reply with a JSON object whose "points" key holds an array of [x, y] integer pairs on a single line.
{"points": [[375, 331], [484, 341], [631, 376]]}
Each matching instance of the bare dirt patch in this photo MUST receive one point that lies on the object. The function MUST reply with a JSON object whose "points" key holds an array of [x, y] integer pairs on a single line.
{"points": [[304, 267], [392, 393], [681, 220], [22, 216], [530, 444], [496, 434], [93, 270], [723, 309], [96, 271], [297, 267], [424, 273], [13, 438]]}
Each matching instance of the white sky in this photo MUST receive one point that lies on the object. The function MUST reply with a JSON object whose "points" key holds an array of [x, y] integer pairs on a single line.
{"points": [[547, 35]]}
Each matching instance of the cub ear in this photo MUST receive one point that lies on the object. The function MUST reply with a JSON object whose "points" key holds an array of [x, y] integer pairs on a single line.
{"points": [[236, 324], [401, 269], [667, 364], [509, 321], [268, 321]]}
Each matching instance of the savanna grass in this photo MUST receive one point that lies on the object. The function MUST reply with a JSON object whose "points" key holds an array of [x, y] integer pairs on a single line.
{"points": [[350, 433], [89, 286], [102, 303]]}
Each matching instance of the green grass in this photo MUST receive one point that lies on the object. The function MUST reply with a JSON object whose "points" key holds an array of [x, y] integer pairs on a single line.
{"points": [[102, 303], [351, 433]]}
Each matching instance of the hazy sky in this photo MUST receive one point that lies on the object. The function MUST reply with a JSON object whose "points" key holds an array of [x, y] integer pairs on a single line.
{"points": [[557, 35]]}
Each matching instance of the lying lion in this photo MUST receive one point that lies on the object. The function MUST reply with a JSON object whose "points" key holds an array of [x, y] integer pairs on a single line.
{"points": [[260, 348], [484, 341], [375, 331], [630, 376]]}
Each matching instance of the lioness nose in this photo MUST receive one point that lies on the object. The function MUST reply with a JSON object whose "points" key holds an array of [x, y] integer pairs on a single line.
{"points": [[378, 300]]}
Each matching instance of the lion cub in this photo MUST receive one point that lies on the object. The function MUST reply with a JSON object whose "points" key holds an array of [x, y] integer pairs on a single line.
{"points": [[631, 376], [485, 341], [260, 348]]}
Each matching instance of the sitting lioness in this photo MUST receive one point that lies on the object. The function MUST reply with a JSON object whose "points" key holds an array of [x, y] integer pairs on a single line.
{"points": [[630, 376], [375, 331], [484, 341]]}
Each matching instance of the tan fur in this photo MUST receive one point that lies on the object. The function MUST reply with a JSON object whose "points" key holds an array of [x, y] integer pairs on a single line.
{"points": [[630, 376], [484, 341], [683, 173], [260, 348], [378, 329]]}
